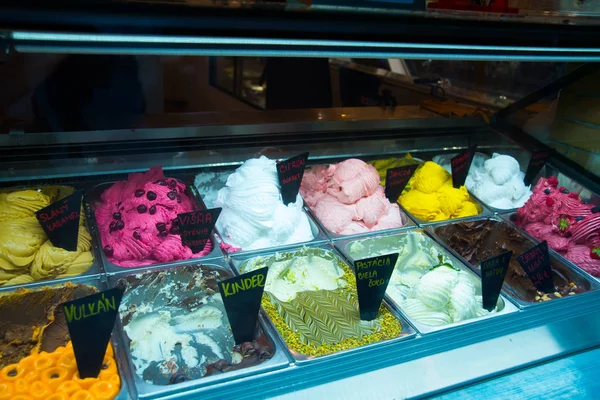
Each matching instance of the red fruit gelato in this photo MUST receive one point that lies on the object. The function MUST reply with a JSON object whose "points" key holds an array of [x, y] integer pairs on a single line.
{"points": [[570, 227]]}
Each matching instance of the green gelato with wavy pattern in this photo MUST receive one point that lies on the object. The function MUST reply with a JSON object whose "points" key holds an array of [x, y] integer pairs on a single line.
{"points": [[310, 296]]}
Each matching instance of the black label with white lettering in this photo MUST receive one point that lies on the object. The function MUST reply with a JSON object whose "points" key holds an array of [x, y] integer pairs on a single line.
{"points": [[290, 173], [60, 221], [90, 321], [493, 272], [536, 263], [396, 180], [196, 227], [460, 166], [241, 296], [372, 278]]}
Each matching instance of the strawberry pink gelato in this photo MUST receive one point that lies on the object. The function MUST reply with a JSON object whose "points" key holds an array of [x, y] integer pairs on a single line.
{"points": [[348, 199], [137, 220], [570, 226]]}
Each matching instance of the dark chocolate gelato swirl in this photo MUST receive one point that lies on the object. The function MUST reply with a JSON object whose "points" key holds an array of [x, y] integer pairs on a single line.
{"points": [[481, 239], [32, 319]]}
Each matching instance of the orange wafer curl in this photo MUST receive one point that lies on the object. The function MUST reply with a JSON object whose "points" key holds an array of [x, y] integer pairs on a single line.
{"points": [[22, 397], [68, 388], [58, 396], [54, 376], [104, 390], [82, 395], [7, 390], [21, 386], [39, 390]]}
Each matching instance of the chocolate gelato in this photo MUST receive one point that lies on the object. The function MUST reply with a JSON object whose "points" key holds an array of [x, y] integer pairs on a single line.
{"points": [[33, 320], [178, 329], [482, 239]]}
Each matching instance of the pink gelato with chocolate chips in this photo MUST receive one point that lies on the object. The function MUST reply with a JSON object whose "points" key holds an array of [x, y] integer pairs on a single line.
{"points": [[137, 220]]}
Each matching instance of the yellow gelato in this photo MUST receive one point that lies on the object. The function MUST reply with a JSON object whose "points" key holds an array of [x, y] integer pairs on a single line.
{"points": [[26, 254], [384, 164], [430, 196]]}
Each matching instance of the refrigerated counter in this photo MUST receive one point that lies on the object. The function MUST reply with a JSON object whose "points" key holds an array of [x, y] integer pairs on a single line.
{"points": [[138, 168], [423, 359]]}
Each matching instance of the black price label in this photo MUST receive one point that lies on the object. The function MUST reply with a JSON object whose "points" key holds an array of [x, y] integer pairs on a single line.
{"points": [[241, 296], [196, 227], [372, 278], [60, 221], [90, 321], [396, 180], [536, 163], [493, 272], [536, 263], [290, 173], [460, 166]]}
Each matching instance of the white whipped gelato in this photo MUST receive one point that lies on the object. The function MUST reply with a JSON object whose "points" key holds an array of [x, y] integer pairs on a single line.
{"points": [[253, 215], [437, 296], [497, 181]]}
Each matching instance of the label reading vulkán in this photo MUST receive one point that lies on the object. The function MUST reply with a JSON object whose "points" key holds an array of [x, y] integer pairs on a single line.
{"points": [[241, 296], [396, 180], [60, 221], [493, 272], [536, 163], [290, 173], [90, 321], [196, 227], [372, 278], [460, 166], [536, 263]]}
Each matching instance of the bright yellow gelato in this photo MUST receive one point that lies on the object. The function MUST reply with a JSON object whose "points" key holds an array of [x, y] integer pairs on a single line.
{"points": [[26, 254], [430, 196], [384, 164]]}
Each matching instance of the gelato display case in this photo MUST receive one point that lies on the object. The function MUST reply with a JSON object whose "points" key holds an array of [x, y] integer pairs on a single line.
{"points": [[84, 111]]}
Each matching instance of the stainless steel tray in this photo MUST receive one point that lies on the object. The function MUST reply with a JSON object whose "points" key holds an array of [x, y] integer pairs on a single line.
{"points": [[96, 267], [421, 222], [145, 390], [126, 388], [408, 223], [428, 156], [318, 235], [238, 262], [574, 274], [503, 306], [112, 268], [521, 155]]}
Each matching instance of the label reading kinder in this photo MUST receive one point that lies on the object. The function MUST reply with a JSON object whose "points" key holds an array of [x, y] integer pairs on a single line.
{"points": [[90, 321], [493, 272], [241, 296], [396, 180], [60, 221], [290, 173], [536, 263], [196, 227], [460, 166], [372, 277], [536, 163]]}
